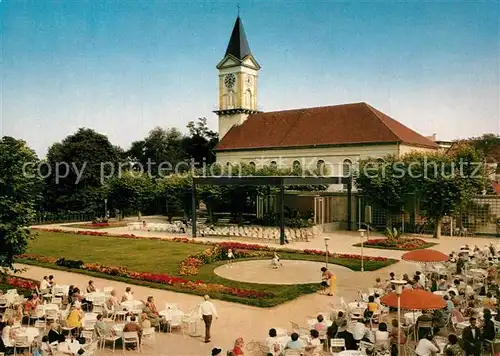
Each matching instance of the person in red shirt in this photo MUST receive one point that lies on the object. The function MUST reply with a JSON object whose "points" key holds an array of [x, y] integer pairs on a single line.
{"points": [[238, 347]]}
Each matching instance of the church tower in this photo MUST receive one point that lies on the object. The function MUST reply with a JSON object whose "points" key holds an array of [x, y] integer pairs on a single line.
{"points": [[238, 72]]}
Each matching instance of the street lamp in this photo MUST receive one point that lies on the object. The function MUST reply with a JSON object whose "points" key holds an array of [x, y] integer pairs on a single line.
{"points": [[362, 233], [326, 249], [398, 286], [105, 208]]}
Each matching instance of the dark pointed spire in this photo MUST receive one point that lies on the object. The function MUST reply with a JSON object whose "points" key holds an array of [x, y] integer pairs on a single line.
{"points": [[238, 44]]}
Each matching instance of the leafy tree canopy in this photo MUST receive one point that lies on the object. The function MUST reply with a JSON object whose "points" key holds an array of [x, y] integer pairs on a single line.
{"points": [[20, 185]]}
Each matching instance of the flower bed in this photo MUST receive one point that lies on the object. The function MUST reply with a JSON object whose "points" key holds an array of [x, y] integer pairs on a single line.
{"points": [[22, 283], [150, 277], [406, 244]]}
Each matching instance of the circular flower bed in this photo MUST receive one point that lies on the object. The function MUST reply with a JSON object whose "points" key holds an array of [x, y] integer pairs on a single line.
{"points": [[406, 244]]}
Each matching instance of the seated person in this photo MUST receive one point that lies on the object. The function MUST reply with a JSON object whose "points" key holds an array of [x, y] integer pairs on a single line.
{"points": [[128, 295], [489, 301], [342, 333], [371, 308], [314, 342], [321, 325], [132, 326], [359, 331], [113, 303], [453, 346], [272, 342], [393, 335], [91, 288], [294, 343], [426, 317], [378, 284], [427, 346], [382, 335], [75, 316]]}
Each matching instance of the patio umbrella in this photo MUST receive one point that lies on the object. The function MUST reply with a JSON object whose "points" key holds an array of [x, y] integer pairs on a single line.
{"points": [[427, 256], [412, 300]]}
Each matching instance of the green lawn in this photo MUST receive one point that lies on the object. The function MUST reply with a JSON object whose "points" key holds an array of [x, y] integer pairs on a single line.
{"points": [[144, 255]]}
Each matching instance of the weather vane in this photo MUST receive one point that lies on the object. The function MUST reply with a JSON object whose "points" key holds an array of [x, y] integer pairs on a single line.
{"points": [[238, 9]]}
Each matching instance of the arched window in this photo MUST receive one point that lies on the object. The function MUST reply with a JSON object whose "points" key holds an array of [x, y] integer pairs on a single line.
{"points": [[296, 165], [273, 164], [347, 168], [230, 99], [320, 166], [248, 99], [380, 161], [252, 165]]}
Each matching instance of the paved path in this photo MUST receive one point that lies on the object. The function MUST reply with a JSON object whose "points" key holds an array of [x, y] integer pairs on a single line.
{"points": [[292, 272]]}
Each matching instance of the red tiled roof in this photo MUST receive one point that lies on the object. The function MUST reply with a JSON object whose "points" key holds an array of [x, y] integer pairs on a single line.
{"points": [[496, 187], [356, 123]]}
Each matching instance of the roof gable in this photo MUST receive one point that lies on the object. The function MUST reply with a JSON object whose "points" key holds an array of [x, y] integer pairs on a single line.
{"points": [[356, 123]]}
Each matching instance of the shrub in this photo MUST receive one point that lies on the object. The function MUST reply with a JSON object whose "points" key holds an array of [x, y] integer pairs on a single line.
{"points": [[69, 263]]}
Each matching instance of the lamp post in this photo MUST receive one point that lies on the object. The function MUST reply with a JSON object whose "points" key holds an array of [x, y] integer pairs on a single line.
{"points": [[326, 249], [362, 233], [105, 208], [398, 286]]}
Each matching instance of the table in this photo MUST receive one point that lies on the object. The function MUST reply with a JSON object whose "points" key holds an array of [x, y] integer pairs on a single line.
{"points": [[442, 293], [411, 317], [74, 346], [91, 297], [132, 304], [11, 297], [350, 353], [171, 313], [312, 322], [478, 271], [30, 332], [45, 307]]}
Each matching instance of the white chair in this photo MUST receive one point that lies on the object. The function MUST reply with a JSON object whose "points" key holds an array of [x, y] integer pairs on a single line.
{"points": [[131, 337], [175, 322], [149, 334], [337, 344], [109, 337], [22, 342], [88, 335], [291, 352], [40, 325]]}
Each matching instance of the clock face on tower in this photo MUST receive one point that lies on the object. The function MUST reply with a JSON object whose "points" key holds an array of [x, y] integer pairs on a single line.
{"points": [[229, 80]]}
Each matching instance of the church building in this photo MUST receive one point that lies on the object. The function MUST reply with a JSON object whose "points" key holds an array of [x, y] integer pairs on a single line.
{"points": [[334, 136]]}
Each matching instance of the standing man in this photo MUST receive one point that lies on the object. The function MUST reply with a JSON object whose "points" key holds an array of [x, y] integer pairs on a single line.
{"points": [[207, 312], [472, 339]]}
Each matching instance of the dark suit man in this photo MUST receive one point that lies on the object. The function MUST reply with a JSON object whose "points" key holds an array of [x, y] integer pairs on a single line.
{"points": [[472, 339]]}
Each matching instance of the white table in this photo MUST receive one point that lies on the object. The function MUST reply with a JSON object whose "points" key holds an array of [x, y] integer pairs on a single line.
{"points": [[442, 293], [45, 307], [30, 332], [74, 346], [171, 313], [91, 297], [60, 289], [350, 353], [411, 317], [132, 304], [312, 322]]}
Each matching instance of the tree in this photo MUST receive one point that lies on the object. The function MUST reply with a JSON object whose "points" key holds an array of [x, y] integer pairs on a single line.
{"points": [[383, 183], [160, 149], [176, 191], [443, 184], [131, 192], [201, 142], [19, 187], [78, 168]]}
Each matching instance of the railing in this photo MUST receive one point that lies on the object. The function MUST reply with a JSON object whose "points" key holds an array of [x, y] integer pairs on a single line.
{"points": [[53, 218]]}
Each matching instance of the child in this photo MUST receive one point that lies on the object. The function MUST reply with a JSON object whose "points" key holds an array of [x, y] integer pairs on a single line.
{"points": [[230, 257]]}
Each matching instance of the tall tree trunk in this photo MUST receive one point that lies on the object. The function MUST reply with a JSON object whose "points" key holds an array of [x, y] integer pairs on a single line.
{"points": [[437, 228]]}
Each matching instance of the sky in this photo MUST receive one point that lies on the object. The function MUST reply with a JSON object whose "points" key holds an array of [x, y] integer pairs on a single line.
{"points": [[122, 67]]}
